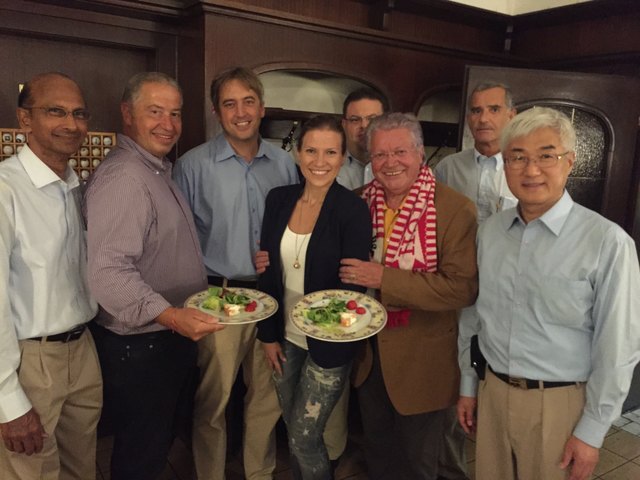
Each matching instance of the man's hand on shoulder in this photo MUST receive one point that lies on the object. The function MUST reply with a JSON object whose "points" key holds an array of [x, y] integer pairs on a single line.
{"points": [[24, 434], [189, 322], [581, 457]]}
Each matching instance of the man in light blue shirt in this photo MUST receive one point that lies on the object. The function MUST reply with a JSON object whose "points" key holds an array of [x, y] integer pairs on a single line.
{"points": [[478, 172], [226, 181], [557, 317]]}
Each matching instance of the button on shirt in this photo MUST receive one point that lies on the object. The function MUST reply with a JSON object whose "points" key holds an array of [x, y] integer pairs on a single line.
{"points": [[226, 195], [558, 301], [144, 254], [478, 177], [42, 265]]}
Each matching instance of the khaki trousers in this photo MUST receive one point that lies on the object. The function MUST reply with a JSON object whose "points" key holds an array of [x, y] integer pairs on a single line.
{"points": [[522, 433], [219, 358], [64, 385]]}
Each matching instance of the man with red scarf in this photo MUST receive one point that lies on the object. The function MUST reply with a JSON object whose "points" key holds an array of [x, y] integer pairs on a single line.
{"points": [[423, 271]]}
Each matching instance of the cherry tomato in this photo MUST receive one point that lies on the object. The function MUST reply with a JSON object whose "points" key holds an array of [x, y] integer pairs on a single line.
{"points": [[352, 305], [251, 306], [361, 310]]}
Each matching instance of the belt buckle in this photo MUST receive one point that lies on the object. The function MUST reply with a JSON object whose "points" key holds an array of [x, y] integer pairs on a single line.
{"points": [[518, 382], [74, 334]]}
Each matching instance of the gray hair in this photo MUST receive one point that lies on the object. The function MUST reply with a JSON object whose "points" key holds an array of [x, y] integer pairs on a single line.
{"points": [[481, 87], [135, 83], [392, 121], [536, 118]]}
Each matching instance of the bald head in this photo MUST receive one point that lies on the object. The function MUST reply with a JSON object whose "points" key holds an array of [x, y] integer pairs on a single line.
{"points": [[26, 97]]}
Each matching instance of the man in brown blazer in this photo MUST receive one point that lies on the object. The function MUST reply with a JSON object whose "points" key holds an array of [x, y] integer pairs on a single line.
{"points": [[423, 271]]}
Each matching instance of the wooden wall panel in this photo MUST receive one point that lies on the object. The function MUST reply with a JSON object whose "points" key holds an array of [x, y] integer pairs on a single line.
{"points": [[102, 86]]}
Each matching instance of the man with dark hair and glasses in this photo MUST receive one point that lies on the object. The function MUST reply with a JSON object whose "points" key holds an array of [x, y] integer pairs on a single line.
{"points": [[557, 317], [50, 383], [359, 108]]}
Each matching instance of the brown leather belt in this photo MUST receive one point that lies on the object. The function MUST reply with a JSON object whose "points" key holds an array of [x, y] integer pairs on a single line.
{"points": [[70, 336], [527, 384]]}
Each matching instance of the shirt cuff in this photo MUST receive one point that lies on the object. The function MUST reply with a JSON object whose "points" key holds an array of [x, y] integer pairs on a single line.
{"points": [[14, 404], [591, 431], [468, 385], [156, 306]]}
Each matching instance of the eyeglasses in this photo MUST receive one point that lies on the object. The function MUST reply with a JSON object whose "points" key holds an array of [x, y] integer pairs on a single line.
{"points": [[515, 161], [355, 120], [59, 112], [399, 154]]}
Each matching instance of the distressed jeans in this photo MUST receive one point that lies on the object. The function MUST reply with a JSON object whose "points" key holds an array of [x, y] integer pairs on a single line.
{"points": [[307, 395]]}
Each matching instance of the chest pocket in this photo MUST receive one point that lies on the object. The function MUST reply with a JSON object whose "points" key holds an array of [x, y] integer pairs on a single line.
{"points": [[565, 302]]}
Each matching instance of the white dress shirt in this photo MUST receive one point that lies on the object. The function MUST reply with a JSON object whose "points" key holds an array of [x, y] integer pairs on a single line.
{"points": [[42, 265]]}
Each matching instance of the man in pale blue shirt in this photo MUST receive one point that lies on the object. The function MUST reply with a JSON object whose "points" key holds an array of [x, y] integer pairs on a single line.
{"points": [[226, 181], [478, 172], [557, 318], [358, 109]]}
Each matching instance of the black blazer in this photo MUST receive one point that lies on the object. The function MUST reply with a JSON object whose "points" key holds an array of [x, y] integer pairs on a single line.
{"points": [[343, 230]]}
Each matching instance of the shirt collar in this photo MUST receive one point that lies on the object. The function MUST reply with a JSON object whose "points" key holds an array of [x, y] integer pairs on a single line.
{"points": [[224, 150], [154, 162], [40, 174], [498, 164], [554, 218]]}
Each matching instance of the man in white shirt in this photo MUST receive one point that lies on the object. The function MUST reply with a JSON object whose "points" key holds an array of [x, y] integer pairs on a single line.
{"points": [[358, 109], [50, 383], [478, 172]]}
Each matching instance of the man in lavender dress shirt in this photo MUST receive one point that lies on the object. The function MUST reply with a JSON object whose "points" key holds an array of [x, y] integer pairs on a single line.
{"points": [[144, 261]]}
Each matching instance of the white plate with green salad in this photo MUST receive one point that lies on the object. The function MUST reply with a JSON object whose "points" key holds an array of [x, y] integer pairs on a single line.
{"points": [[338, 315], [234, 306]]}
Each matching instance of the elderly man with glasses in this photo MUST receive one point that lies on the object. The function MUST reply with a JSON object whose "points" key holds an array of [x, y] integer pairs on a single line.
{"points": [[423, 271], [557, 318], [50, 383]]}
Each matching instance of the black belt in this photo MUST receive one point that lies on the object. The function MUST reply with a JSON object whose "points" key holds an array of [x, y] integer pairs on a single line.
{"points": [[527, 384], [224, 282], [64, 337]]}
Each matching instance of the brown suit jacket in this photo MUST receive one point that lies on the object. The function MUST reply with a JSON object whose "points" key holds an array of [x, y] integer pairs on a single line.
{"points": [[419, 362]]}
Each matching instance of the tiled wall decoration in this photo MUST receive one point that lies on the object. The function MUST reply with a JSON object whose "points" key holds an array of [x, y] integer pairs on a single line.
{"points": [[93, 150]]}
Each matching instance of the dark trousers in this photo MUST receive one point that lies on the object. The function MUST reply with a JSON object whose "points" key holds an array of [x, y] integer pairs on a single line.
{"points": [[147, 393], [397, 447]]}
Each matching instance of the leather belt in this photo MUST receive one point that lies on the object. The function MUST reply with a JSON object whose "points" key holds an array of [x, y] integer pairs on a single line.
{"points": [[226, 282], [527, 384], [70, 336]]}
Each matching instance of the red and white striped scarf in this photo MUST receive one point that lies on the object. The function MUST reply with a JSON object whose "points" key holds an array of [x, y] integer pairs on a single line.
{"points": [[412, 243]]}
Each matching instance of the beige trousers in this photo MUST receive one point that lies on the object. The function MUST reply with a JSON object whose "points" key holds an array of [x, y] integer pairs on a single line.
{"points": [[219, 358], [64, 385], [522, 433]]}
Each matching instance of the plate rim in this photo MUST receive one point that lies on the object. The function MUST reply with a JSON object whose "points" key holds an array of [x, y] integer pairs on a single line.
{"points": [[243, 321], [353, 293]]}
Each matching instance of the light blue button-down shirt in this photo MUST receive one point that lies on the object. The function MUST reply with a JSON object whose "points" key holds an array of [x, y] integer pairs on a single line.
{"points": [[558, 301], [227, 195], [478, 177]]}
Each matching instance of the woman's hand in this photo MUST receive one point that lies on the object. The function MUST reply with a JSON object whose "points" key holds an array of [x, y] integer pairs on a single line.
{"points": [[357, 272], [274, 354], [261, 261]]}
